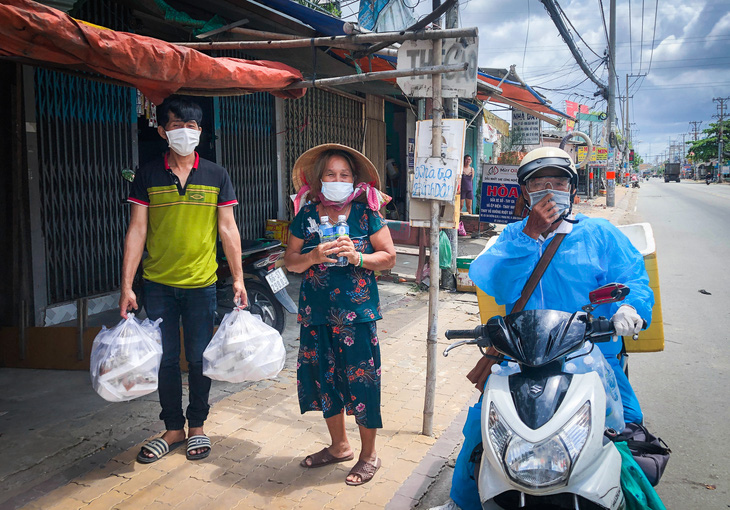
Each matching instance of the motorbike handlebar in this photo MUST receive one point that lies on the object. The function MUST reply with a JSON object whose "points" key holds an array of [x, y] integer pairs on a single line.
{"points": [[604, 327], [452, 334]]}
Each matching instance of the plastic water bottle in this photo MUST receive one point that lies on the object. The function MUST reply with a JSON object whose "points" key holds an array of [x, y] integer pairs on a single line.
{"points": [[326, 234], [342, 229], [506, 370]]}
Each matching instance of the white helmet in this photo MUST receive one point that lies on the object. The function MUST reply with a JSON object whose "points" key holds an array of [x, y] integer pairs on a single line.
{"points": [[547, 157]]}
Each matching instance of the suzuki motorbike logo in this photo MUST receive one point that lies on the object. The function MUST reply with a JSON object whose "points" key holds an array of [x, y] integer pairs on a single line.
{"points": [[536, 390]]}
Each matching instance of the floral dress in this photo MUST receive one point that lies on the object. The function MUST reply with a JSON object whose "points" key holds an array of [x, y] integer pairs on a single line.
{"points": [[339, 356]]}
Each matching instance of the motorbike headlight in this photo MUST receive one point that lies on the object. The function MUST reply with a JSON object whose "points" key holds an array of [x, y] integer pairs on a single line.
{"points": [[544, 464]]}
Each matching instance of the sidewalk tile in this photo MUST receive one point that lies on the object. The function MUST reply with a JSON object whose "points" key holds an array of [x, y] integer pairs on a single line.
{"points": [[315, 500], [139, 481], [106, 501], [229, 498], [145, 496], [194, 502], [381, 490]]}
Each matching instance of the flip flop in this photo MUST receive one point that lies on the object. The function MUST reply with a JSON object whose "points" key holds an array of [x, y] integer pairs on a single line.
{"points": [[365, 470], [157, 447], [324, 458], [196, 443]]}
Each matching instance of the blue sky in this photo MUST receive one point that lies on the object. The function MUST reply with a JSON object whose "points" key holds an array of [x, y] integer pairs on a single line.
{"points": [[686, 57]]}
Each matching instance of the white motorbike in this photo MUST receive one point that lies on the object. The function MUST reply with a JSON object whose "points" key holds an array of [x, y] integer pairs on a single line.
{"points": [[543, 426]]}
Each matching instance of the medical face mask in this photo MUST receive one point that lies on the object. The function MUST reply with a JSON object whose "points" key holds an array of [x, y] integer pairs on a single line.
{"points": [[337, 191], [183, 141], [561, 198]]}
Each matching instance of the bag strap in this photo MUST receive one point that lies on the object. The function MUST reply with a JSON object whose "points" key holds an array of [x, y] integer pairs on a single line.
{"points": [[644, 447], [537, 273]]}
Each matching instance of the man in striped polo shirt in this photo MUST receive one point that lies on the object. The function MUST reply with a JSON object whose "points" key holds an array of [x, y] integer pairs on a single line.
{"points": [[180, 202]]}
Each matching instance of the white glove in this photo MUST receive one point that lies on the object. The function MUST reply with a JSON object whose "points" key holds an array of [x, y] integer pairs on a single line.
{"points": [[626, 321]]}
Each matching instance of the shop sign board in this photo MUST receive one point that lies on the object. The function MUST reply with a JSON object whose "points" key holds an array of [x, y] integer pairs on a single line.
{"points": [[499, 194], [526, 127], [415, 54]]}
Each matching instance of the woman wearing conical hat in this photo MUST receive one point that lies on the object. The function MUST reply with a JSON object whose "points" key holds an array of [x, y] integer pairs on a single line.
{"points": [[338, 368]]}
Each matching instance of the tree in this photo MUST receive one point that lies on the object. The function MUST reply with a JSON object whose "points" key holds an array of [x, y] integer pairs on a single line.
{"points": [[706, 148]]}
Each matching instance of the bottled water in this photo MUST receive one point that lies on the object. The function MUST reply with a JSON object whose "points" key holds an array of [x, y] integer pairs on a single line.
{"points": [[508, 369], [342, 229], [596, 362], [326, 233]]}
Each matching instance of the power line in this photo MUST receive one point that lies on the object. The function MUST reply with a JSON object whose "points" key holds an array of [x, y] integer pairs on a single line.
{"points": [[527, 35], [605, 29], [653, 37], [641, 46], [631, 49], [574, 29]]}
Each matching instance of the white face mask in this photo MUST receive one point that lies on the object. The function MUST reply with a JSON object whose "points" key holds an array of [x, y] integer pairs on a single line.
{"points": [[561, 198], [337, 191], [183, 141]]}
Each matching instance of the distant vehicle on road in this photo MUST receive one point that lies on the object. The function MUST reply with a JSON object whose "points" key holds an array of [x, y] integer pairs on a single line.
{"points": [[671, 172]]}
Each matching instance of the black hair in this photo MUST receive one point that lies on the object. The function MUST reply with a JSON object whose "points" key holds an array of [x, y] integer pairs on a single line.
{"points": [[182, 108]]}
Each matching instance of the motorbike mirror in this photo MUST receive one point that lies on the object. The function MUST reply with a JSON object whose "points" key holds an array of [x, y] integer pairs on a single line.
{"points": [[610, 293]]}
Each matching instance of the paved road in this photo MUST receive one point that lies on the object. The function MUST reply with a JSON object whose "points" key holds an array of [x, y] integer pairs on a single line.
{"points": [[683, 389]]}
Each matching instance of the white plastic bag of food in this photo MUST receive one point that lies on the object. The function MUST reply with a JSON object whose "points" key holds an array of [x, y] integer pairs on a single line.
{"points": [[244, 349], [125, 360]]}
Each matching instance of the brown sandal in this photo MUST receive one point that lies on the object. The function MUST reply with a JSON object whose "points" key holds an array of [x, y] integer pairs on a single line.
{"points": [[365, 470], [324, 458]]}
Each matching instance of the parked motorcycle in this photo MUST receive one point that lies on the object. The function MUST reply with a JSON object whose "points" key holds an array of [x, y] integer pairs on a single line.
{"points": [[543, 425], [265, 283]]}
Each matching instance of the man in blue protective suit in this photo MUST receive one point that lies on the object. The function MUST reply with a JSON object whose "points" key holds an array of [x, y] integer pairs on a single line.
{"points": [[592, 254]]}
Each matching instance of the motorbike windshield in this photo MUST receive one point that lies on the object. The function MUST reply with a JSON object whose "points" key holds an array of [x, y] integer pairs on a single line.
{"points": [[537, 337]]}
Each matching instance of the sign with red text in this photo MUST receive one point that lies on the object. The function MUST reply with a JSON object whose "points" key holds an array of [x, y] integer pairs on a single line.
{"points": [[499, 194]]}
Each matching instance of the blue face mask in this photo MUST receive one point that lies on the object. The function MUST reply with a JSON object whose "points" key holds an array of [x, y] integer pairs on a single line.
{"points": [[561, 198]]}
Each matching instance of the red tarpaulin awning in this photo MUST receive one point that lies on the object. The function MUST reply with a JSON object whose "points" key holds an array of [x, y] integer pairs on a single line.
{"points": [[39, 35]]}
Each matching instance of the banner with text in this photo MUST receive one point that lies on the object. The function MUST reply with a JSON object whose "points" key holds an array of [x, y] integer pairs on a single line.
{"points": [[499, 194]]}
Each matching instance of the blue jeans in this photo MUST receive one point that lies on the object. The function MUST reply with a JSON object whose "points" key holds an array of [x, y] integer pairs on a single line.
{"points": [[196, 308]]}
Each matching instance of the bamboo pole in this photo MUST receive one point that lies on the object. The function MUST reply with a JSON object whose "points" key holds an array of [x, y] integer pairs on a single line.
{"points": [[435, 276], [378, 75], [335, 41]]}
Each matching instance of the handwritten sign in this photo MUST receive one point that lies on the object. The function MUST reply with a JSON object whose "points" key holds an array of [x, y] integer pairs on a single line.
{"points": [[435, 179], [499, 194]]}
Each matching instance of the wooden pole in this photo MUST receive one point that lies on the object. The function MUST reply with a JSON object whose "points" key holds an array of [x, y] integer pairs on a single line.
{"points": [[435, 276], [346, 41], [378, 75]]}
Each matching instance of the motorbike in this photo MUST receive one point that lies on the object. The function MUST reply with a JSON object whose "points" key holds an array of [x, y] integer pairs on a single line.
{"points": [[265, 283], [542, 425], [635, 184], [708, 179]]}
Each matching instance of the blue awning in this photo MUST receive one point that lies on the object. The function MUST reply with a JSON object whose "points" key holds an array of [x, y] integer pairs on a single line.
{"points": [[321, 22]]}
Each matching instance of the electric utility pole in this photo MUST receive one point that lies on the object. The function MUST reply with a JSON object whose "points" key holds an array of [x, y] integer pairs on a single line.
{"points": [[611, 175], [721, 106], [696, 128], [694, 132]]}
